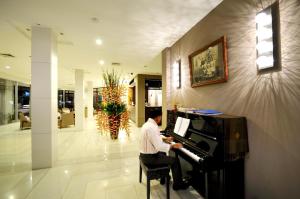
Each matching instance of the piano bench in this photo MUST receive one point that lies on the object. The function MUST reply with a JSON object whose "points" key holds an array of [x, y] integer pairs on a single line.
{"points": [[155, 173]]}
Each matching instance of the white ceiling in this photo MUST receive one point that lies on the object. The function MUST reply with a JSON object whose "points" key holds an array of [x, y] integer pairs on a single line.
{"points": [[134, 32]]}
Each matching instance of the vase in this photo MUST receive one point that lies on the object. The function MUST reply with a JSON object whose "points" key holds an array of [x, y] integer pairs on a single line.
{"points": [[114, 123]]}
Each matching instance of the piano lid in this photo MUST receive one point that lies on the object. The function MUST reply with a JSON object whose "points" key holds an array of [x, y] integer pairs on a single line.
{"points": [[208, 126]]}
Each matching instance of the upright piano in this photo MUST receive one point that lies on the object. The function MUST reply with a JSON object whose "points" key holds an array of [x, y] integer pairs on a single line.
{"points": [[213, 153]]}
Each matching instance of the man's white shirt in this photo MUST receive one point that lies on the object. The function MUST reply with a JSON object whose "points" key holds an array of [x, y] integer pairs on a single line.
{"points": [[151, 141]]}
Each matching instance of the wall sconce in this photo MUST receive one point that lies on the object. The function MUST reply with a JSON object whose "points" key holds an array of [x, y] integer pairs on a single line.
{"points": [[267, 38], [177, 73]]}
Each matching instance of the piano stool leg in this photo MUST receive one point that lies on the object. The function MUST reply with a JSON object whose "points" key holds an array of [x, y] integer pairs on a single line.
{"points": [[148, 188], [206, 185], [168, 187], [140, 174]]}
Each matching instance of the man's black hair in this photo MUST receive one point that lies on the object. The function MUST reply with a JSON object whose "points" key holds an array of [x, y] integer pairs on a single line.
{"points": [[155, 113]]}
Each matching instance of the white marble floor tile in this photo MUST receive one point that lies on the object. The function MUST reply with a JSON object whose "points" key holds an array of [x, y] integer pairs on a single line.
{"points": [[125, 191], [89, 165]]}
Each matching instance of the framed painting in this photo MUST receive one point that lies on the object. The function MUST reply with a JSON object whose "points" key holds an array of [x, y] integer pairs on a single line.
{"points": [[209, 64]]}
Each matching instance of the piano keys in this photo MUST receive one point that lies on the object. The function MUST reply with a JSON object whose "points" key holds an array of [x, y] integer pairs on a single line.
{"points": [[190, 154], [214, 148]]}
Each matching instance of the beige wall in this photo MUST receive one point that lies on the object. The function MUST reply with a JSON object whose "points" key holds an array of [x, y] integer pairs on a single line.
{"points": [[271, 102]]}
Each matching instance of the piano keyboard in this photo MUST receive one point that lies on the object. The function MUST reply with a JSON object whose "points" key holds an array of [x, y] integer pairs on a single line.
{"points": [[189, 153]]}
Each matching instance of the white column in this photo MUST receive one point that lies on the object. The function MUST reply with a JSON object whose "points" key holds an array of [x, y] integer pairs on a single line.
{"points": [[16, 102], [89, 99], [166, 88], [79, 103], [43, 96]]}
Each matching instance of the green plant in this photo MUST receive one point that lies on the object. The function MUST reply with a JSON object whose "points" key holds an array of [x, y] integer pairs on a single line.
{"points": [[113, 115], [111, 79], [112, 108]]}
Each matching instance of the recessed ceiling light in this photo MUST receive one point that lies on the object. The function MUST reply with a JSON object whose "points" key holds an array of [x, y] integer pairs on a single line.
{"points": [[101, 62], [11, 197], [99, 42], [7, 67]]}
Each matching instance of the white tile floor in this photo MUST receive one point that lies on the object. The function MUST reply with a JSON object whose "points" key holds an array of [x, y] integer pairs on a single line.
{"points": [[89, 165]]}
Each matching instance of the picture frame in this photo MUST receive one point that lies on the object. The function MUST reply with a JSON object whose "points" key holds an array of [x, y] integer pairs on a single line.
{"points": [[208, 65]]}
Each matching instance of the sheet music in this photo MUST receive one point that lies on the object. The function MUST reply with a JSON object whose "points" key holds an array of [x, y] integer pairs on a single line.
{"points": [[181, 126], [184, 126], [177, 125]]}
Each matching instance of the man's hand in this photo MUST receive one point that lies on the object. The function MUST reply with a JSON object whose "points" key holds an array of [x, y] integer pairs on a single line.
{"points": [[177, 146], [168, 139]]}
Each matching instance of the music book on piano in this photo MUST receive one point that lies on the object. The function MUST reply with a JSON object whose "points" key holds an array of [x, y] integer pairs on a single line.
{"points": [[207, 112], [181, 126]]}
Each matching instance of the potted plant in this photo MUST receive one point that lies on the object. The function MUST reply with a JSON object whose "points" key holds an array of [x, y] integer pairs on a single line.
{"points": [[113, 115]]}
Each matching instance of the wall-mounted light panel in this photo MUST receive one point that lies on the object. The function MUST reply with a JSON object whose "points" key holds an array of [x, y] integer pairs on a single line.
{"points": [[268, 38]]}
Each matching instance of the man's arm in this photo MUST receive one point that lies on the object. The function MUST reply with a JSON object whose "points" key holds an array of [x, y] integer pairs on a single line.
{"points": [[156, 140], [169, 140]]}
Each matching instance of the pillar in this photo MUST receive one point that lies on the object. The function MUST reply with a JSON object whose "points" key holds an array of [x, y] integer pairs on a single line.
{"points": [[166, 88], [43, 96], [140, 100], [89, 99], [79, 103], [16, 104]]}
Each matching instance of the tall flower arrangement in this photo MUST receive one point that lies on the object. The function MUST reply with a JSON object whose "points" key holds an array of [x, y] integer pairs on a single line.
{"points": [[113, 115]]}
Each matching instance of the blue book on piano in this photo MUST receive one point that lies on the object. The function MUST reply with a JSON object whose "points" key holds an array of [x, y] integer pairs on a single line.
{"points": [[207, 112]]}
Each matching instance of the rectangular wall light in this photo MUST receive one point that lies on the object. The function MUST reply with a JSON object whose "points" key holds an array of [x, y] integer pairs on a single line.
{"points": [[267, 38], [177, 73]]}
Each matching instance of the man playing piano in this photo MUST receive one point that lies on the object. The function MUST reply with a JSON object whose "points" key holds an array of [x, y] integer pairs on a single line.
{"points": [[153, 149]]}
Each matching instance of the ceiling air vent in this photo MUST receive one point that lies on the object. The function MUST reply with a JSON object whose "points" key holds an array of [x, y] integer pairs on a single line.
{"points": [[115, 64], [7, 55]]}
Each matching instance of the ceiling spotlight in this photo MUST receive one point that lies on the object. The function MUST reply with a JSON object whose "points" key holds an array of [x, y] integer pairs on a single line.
{"points": [[7, 67], [99, 42], [101, 62], [11, 197]]}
